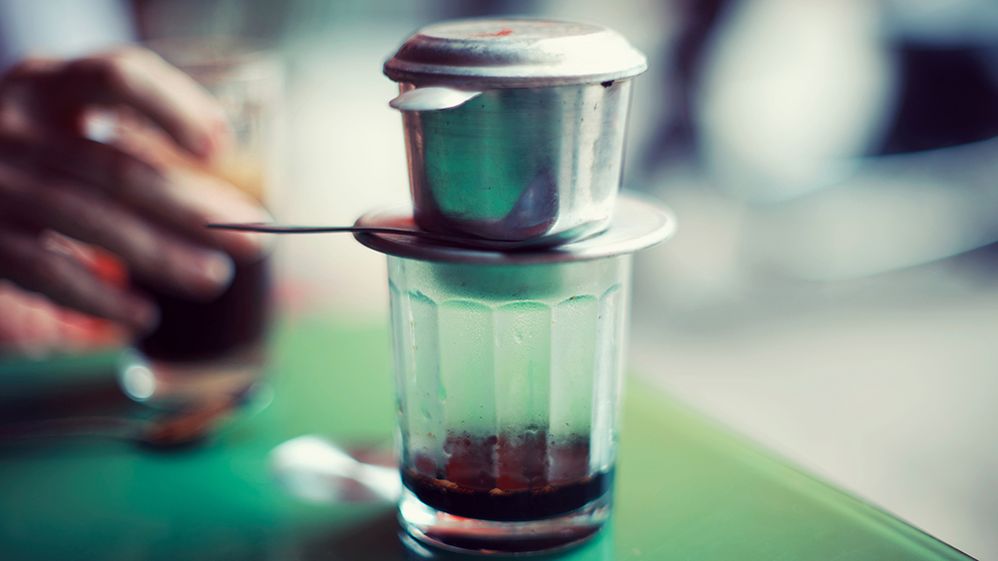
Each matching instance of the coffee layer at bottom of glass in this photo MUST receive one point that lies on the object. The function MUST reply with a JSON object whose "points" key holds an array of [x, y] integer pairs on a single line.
{"points": [[503, 478]]}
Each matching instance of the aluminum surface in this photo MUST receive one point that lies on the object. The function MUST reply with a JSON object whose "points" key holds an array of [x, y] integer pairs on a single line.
{"points": [[638, 223], [514, 128], [514, 53], [519, 164]]}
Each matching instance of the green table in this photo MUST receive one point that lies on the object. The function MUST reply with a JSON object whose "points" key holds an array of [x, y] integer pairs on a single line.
{"points": [[687, 488]]}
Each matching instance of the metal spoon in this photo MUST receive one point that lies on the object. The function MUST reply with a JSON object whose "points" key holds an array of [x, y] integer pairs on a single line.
{"points": [[317, 469], [449, 239]]}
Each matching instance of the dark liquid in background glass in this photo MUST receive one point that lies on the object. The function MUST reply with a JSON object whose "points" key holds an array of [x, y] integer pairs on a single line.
{"points": [[192, 330], [508, 478]]}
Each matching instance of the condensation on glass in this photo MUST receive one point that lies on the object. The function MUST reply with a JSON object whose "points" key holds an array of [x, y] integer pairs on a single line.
{"points": [[508, 381]]}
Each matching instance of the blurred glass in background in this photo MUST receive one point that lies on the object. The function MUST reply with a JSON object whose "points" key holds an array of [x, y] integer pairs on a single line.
{"points": [[834, 165], [203, 351]]}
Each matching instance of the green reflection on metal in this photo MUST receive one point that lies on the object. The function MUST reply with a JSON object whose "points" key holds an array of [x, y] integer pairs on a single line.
{"points": [[522, 133]]}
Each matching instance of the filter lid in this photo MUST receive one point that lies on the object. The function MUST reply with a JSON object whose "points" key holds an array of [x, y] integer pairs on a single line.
{"points": [[514, 53]]}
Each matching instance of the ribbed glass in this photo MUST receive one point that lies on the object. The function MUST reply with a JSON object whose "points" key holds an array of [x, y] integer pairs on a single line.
{"points": [[508, 381]]}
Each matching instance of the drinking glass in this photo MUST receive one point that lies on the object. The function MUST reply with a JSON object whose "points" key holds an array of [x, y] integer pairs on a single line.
{"points": [[508, 386], [206, 349]]}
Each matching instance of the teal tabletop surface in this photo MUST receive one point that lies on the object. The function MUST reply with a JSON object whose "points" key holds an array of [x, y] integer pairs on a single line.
{"points": [[687, 488]]}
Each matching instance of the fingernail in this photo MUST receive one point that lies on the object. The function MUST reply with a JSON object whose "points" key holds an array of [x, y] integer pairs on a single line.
{"points": [[216, 141], [216, 269], [245, 246], [205, 274], [205, 147]]}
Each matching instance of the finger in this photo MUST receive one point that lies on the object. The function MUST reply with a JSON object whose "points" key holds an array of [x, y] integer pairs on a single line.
{"points": [[140, 79], [184, 198], [207, 200], [151, 252], [25, 261], [19, 97], [135, 78], [26, 324], [31, 324]]}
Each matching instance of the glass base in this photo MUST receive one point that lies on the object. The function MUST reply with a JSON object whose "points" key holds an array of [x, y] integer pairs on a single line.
{"points": [[469, 535], [165, 384]]}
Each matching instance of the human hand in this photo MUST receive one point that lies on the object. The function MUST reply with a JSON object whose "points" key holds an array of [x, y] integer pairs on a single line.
{"points": [[147, 210]]}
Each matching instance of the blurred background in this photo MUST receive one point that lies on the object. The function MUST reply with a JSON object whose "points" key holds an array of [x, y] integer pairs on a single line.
{"points": [[833, 290]]}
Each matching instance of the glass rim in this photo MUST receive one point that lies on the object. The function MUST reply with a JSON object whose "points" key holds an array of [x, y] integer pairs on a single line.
{"points": [[219, 58]]}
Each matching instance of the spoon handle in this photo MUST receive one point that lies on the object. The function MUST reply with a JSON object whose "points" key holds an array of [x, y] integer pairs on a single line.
{"points": [[266, 228], [449, 239], [289, 229]]}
